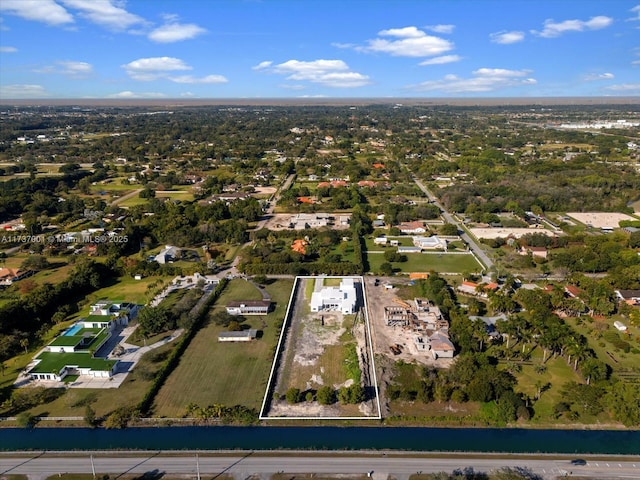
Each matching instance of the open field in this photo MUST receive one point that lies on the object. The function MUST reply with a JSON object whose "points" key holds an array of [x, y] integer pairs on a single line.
{"points": [[600, 219], [502, 232], [598, 332], [551, 380], [128, 289], [425, 262], [226, 373]]}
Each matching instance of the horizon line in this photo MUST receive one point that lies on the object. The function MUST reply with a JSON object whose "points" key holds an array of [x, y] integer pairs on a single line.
{"points": [[400, 101]]}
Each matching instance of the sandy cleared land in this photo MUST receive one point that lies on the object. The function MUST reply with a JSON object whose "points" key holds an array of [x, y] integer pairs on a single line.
{"points": [[601, 219], [508, 232], [385, 336], [281, 221], [314, 355]]}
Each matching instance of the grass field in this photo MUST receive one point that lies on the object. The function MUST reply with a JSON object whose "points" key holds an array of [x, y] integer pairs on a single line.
{"points": [[127, 289], [557, 373], [425, 262], [226, 373], [597, 331]]}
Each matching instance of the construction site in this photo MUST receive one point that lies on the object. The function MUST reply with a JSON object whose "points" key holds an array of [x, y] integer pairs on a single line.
{"points": [[408, 330]]}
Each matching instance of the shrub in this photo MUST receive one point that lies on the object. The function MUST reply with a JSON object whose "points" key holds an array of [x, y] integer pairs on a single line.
{"points": [[293, 395]]}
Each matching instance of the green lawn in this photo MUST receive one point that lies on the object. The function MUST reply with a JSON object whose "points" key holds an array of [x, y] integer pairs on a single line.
{"points": [[126, 289], [226, 373], [425, 262], [557, 373], [596, 332]]}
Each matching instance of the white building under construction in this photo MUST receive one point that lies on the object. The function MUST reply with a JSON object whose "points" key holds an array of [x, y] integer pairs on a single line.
{"points": [[342, 298]]}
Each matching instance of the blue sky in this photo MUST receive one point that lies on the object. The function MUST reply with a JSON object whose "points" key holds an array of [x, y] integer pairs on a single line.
{"points": [[310, 48]]}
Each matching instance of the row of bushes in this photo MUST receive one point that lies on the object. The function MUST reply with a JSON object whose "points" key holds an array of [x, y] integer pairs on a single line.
{"points": [[298, 268], [172, 362]]}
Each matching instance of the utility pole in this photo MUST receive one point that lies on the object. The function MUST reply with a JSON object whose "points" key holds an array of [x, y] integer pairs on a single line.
{"points": [[198, 466], [93, 468]]}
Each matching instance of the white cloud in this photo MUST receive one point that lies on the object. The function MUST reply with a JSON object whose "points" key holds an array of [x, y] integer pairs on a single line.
{"points": [[262, 65], [599, 76], [636, 11], [130, 94], [107, 13], [8, 49], [75, 69], [506, 38], [22, 91], [442, 60], [46, 11], [553, 29], [175, 32], [408, 42], [192, 79], [329, 73], [628, 88], [441, 28], [483, 80], [152, 68]]}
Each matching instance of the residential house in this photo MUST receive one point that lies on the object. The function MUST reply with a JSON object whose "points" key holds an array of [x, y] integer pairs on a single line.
{"points": [[10, 275], [168, 254], [470, 288], [430, 243], [249, 307], [540, 252], [630, 297], [342, 298], [380, 241], [412, 228]]}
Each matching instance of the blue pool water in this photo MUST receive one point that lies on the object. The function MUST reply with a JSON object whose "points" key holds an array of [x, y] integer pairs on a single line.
{"points": [[73, 330]]}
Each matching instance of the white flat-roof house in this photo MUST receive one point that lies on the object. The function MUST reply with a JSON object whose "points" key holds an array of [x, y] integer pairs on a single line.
{"points": [[430, 243], [342, 298]]}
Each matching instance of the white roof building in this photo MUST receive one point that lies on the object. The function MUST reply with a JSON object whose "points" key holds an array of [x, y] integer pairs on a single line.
{"points": [[342, 298], [430, 243]]}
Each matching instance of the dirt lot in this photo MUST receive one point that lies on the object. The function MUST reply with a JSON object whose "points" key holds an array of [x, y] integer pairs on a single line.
{"points": [[504, 232], [315, 353], [600, 219], [384, 336], [281, 221]]}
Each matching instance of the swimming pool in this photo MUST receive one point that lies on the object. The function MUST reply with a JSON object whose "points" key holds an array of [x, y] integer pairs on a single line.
{"points": [[75, 328]]}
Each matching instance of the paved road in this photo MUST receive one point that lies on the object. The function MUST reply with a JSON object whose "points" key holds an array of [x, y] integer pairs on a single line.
{"points": [[450, 219], [243, 465], [126, 197]]}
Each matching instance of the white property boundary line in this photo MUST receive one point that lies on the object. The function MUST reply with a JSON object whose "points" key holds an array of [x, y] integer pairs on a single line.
{"points": [[285, 326]]}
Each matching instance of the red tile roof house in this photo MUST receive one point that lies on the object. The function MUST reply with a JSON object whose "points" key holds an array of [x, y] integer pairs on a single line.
{"points": [[573, 291], [412, 227]]}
